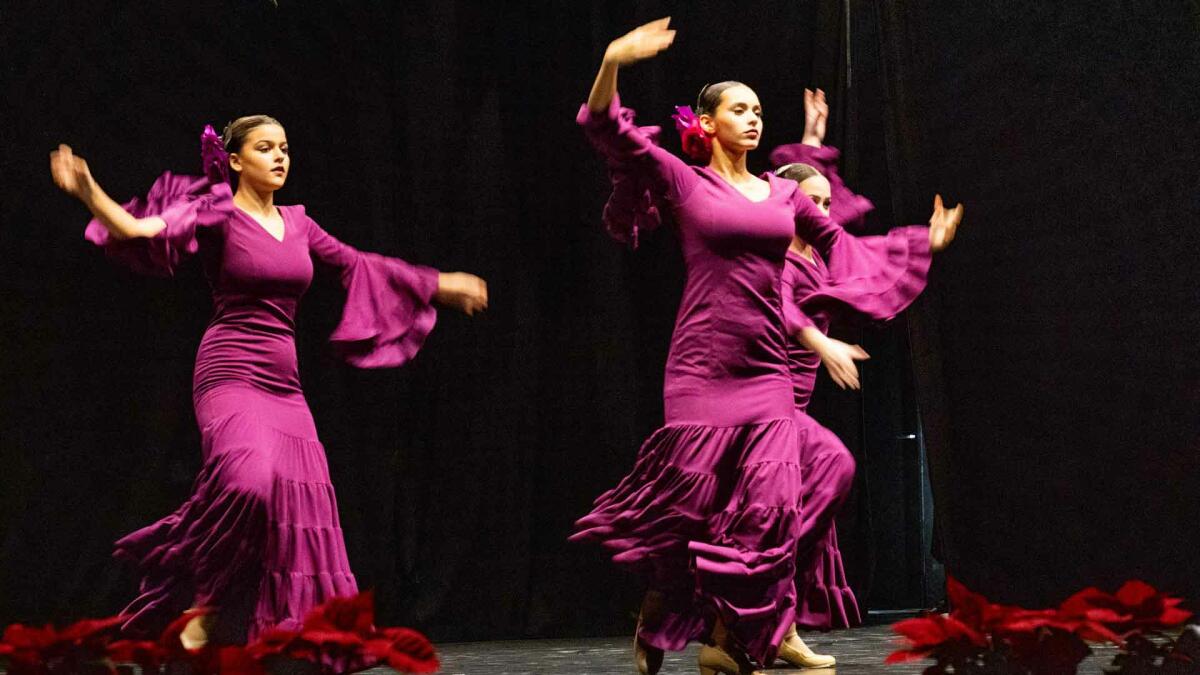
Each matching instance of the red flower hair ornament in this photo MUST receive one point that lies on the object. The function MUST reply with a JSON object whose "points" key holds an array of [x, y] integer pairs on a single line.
{"points": [[696, 143]]}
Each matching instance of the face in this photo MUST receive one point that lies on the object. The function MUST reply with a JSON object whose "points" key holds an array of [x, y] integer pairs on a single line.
{"points": [[737, 123], [263, 162], [817, 189]]}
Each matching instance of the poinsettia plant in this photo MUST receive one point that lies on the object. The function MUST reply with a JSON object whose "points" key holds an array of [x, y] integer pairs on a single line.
{"points": [[337, 637], [979, 637]]}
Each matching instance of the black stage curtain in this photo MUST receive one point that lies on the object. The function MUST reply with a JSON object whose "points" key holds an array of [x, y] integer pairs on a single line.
{"points": [[443, 133], [1056, 352]]}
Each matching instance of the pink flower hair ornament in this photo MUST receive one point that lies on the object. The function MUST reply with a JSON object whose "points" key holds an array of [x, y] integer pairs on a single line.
{"points": [[213, 156], [696, 143]]}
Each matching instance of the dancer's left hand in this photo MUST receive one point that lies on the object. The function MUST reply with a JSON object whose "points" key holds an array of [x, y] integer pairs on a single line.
{"points": [[943, 224], [465, 292]]}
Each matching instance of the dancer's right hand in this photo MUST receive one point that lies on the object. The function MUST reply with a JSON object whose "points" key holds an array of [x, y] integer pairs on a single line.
{"points": [[640, 43], [839, 359], [70, 173], [943, 224], [816, 115], [464, 292]]}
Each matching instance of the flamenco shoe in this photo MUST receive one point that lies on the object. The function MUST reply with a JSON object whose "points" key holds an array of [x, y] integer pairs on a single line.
{"points": [[795, 653], [717, 661], [724, 656], [196, 631], [648, 659]]}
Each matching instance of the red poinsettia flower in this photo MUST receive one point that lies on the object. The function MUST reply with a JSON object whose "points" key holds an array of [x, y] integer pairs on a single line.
{"points": [[1135, 606], [974, 610], [342, 632], [277, 642], [77, 648], [147, 654], [347, 615], [936, 634], [1052, 651], [405, 650]]}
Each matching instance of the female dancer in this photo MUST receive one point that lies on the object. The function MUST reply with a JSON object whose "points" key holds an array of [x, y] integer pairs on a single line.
{"points": [[717, 489], [873, 276], [258, 543], [881, 276]]}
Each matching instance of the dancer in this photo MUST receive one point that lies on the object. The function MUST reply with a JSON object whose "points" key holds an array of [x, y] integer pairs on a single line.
{"points": [[882, 274], [717, 488], [258, 543], [876, 277]]}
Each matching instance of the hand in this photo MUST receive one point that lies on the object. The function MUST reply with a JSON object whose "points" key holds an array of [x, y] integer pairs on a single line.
{"points": [[465, 292], [71, 173], [943, 224], [640, 43], [839, 359], [816, 114]]}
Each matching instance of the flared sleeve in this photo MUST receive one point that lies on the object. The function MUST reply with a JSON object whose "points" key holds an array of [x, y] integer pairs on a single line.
{"points": [[389, 303], [848, 209], [189, 205], [645, 177], [631, 207], [877, 277]]}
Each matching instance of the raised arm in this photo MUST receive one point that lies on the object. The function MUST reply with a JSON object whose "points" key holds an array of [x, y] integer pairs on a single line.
{"points": [[638, 44], [611, 128], [70, 173]]}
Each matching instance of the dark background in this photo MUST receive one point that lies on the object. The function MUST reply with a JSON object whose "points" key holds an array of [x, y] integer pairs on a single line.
{"points": [[1055, 354]]}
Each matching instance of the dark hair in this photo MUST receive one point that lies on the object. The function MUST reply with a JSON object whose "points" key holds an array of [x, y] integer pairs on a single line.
{"points": [[797, 171], [236, 131], [710, 96]]}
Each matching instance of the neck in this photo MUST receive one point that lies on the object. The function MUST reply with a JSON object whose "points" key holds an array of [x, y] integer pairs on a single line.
{"points": [[801, 247], [729, 165], [261, 202]]}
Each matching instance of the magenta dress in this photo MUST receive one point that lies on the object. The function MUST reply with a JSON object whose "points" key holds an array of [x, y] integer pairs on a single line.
{"points": [[875, 277], [711, 509], [259, 538]]}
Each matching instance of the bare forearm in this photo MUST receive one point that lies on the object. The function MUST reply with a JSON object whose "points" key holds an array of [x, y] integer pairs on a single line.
{"points": [[120, 223], [604, 88], [813, 339]]}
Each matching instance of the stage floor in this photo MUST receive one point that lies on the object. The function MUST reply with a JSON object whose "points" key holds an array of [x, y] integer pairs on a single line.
{"points": [[859, 651]]}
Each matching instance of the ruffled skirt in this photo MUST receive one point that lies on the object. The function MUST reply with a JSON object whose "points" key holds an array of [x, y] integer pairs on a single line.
{"points": [[825, 598], [710, 516], [259, 539]]}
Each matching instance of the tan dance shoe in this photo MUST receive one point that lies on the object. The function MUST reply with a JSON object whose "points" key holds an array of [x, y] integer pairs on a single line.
{"points": [[724, 656], [795, 653], [647, 658], [717, 661], [195, 632]]}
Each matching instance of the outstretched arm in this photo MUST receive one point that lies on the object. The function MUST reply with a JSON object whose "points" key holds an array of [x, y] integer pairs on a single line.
{"points": [[943, 224], [463, 291], [70, 173]]}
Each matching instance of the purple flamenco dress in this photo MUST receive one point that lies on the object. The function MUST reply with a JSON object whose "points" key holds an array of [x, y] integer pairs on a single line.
{"points": [[710, 512], [259, 538], [848, 277]]}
